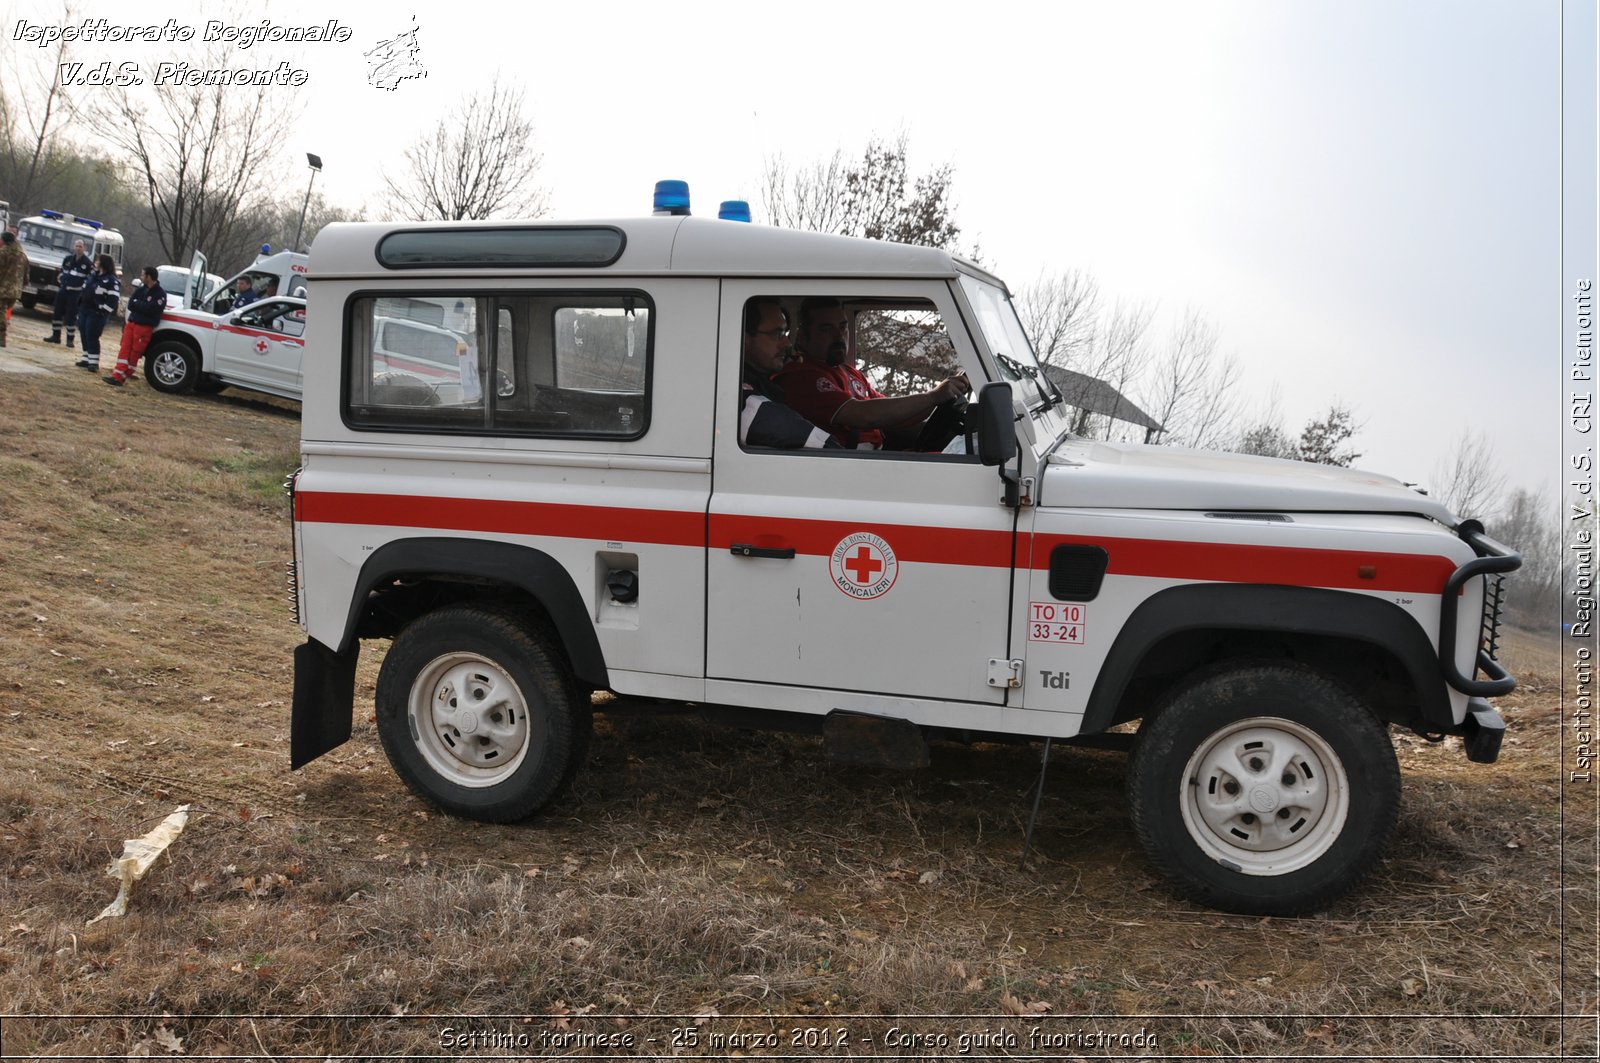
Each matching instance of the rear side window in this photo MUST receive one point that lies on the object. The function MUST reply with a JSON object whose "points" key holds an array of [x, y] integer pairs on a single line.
{"points": [[503, 363]]}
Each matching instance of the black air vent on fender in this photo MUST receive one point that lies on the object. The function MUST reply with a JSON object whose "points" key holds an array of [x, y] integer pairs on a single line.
{"points": [[1076, 572]]}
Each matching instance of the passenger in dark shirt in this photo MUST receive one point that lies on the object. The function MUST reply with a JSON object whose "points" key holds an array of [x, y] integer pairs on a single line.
{"points": [[764, 421]]}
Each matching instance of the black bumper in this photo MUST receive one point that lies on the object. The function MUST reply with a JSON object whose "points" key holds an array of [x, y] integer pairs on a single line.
{"points": [[1483, 729]]}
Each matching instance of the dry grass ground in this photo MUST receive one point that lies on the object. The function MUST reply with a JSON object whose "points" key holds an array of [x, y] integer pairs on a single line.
{"points": [[698, 884]]}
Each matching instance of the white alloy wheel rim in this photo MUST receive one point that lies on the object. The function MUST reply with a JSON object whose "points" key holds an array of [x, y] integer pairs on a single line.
{"points": [[170, 367], [469, 719], [1265, 796]]}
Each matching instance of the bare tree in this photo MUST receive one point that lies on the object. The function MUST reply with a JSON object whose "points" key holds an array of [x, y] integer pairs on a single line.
{"points": [[204, 155], [478, 162], [807, 196], [34, 109], [1470, 480], [874, 196], [1193, 393], [1059, 313], [1530, 524]]}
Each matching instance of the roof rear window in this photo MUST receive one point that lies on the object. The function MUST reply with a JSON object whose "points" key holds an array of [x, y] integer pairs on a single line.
{"points": [[508, 248]]}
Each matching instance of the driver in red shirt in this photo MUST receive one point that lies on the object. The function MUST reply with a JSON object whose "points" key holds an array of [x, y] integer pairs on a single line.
{"points": [[825, 385]]}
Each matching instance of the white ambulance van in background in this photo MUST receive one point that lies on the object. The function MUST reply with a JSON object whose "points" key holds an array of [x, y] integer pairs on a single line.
{"points": [[569, 509], [286, 270]]}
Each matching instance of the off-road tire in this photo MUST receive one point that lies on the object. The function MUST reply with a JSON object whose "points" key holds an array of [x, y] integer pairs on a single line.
{"points": [[1264, 789], [479, 714], [171, 367]]}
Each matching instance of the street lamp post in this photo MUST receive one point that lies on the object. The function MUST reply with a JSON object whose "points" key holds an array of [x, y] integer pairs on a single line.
{"points": [[315, 162]]}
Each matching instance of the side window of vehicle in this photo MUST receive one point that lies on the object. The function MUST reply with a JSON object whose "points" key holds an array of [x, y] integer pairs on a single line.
{"points": [[504, 363], [252, 316], [864, 348], [273, 315], [290, 320]]}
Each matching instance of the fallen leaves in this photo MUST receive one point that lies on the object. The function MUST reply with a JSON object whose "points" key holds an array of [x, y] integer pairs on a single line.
{"points": [[1011, 1005], [163, 1039]]}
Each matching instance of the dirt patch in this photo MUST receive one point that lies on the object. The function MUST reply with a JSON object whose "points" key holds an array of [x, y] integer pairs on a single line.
{"points": [[702, 891]]}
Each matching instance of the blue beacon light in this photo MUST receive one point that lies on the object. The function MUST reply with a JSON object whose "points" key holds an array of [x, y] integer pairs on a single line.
{"points": [[672, 198], [734, 210]]}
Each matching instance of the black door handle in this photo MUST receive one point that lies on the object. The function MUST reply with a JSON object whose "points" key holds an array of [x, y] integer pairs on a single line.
{"points": [[782, 553]]}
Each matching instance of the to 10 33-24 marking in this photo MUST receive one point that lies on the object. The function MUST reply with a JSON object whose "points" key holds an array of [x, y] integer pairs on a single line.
{"points": [[1062, 622]]}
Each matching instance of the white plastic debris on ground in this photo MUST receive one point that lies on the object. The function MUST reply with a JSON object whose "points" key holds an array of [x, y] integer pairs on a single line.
{"points": [[137, 856]]}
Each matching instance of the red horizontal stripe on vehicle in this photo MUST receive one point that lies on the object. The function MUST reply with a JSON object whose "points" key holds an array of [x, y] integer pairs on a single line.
{"points": [[666, 527], [241, 330], [1156, 558], [1239, 563], [401, 363], [910, 542]]}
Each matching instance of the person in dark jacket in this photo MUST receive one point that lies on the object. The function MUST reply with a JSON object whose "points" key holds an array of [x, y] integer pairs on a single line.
{"points": [[144, 313], [100, 298], [76, 269], [244, 296], [764, 420]]}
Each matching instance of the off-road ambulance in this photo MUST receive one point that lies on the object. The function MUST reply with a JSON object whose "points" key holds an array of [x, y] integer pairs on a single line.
{"points": [[573, 511], [47, 238], [272, 273]]}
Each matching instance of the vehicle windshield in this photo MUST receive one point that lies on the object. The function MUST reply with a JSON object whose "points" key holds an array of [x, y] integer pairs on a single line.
{"points": [[1013, 354], [49, 236]]}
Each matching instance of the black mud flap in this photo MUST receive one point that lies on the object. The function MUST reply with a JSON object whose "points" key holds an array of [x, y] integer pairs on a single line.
{"points": [[870, 741], [324, 700]]}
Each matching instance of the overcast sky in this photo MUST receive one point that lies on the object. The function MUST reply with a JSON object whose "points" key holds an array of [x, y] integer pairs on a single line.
{"points": [[1362, 194]]}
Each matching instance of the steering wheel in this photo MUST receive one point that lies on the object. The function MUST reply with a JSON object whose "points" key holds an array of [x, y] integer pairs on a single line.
{"points": [[947, 421]]}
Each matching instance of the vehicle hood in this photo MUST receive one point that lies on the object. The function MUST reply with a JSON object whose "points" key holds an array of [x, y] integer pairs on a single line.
{"points": [[1083, 474], [189, 316], [41, 256]]}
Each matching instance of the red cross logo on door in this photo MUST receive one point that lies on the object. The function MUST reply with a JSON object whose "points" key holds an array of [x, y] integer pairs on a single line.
{"points": [[261, 346], [863, 566]]}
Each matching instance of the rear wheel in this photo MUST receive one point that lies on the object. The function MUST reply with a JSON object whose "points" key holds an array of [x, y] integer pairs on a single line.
{"points": [[1265, 790], [479, 715], [171, 367]]}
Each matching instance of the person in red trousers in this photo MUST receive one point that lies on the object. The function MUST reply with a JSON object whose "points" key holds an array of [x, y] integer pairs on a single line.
{"points": [[144, 313]]}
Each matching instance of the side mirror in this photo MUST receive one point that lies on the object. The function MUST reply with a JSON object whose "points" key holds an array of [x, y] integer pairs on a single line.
{"points": [[996, 424]]}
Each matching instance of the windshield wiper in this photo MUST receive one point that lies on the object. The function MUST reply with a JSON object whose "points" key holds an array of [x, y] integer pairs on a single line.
{"points": [[1019, 371]]}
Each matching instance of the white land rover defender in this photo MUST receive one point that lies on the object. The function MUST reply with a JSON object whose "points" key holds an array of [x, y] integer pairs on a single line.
{"points": [[571, 510]]}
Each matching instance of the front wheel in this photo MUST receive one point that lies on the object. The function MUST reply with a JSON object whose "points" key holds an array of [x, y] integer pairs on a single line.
{"points": [[479, 715], [1264, 790], [171, 367]]}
